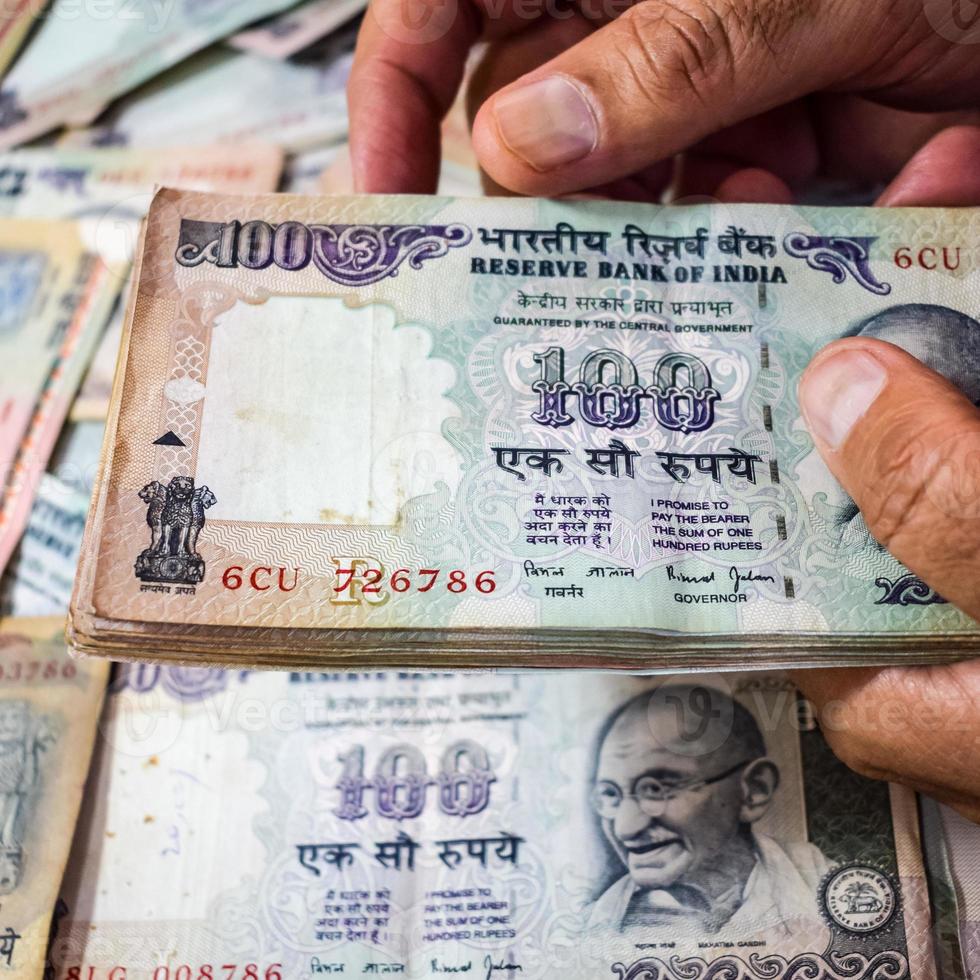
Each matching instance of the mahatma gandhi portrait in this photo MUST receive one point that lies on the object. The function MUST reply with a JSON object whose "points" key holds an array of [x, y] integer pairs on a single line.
{"points": [[677, 794], [941, 338]]}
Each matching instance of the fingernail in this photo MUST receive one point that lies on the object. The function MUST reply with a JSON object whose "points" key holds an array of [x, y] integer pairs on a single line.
{"points": [[547, 123], [837, 392]]}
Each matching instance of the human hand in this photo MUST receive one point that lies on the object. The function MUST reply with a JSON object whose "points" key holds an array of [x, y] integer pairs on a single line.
{"points": [[905, 444], [913, 725], [586, 99]]}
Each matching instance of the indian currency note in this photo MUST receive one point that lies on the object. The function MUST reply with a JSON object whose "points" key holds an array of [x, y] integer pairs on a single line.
{"points": [[483, 420], [57, 299], [49, 708], [84, 55], [963, 850], [115, 183], [292, 825], [953, 848], [943, 906], [36, 269], [230, 96], [92, 401], [296, 29], [108, 190], [41, 265], [38, 580]]}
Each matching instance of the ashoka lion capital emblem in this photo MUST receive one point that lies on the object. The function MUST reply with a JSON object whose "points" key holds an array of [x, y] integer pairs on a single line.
{"points": [[175, 515]]}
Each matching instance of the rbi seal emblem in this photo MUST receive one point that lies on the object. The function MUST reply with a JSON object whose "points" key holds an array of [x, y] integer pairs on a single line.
{"points": [[860, 899]]}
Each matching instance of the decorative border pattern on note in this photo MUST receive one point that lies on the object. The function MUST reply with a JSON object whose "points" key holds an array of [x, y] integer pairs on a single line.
{"points": [[357, 255], [839, 256], [813, 966], [908, 590]]}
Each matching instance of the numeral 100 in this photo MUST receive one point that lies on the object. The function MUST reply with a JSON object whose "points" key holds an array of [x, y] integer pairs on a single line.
{"points": [[401, 782], [256, 244], [610, 394]]}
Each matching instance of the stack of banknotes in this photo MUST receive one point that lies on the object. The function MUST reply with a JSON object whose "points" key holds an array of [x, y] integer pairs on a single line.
{"points": [[506, 432], [349, 435]]}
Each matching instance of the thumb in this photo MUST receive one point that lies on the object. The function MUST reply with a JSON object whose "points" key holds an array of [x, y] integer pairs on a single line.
{"points": [[905, 444], [658, 78]]}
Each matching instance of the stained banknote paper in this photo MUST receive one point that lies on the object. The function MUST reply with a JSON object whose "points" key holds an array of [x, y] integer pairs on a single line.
{"points": [[427, 430], [49, 708], [293, 825]]}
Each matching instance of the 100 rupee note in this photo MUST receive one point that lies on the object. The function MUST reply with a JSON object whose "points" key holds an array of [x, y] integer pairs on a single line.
{"points": [[293, 825], [437, 431], [39, 577], [114, 183], [107, 192], [952, 848], [49, 709]]}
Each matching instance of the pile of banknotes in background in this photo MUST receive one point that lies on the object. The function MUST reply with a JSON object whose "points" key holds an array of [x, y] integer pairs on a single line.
{"points": [[192, 823]]}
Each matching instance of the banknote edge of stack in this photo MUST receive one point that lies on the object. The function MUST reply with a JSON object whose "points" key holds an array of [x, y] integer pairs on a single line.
{"points": [[93, 522]]}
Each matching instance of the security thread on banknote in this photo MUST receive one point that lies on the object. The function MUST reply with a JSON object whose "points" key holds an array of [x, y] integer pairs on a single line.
{"points": [[428, 430]]}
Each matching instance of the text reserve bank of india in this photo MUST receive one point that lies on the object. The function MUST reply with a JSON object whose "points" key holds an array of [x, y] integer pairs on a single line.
{"points": [[454, 432]]}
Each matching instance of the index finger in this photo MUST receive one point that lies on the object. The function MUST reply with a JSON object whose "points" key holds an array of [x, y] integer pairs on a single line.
{"points": [[407, 69]]}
